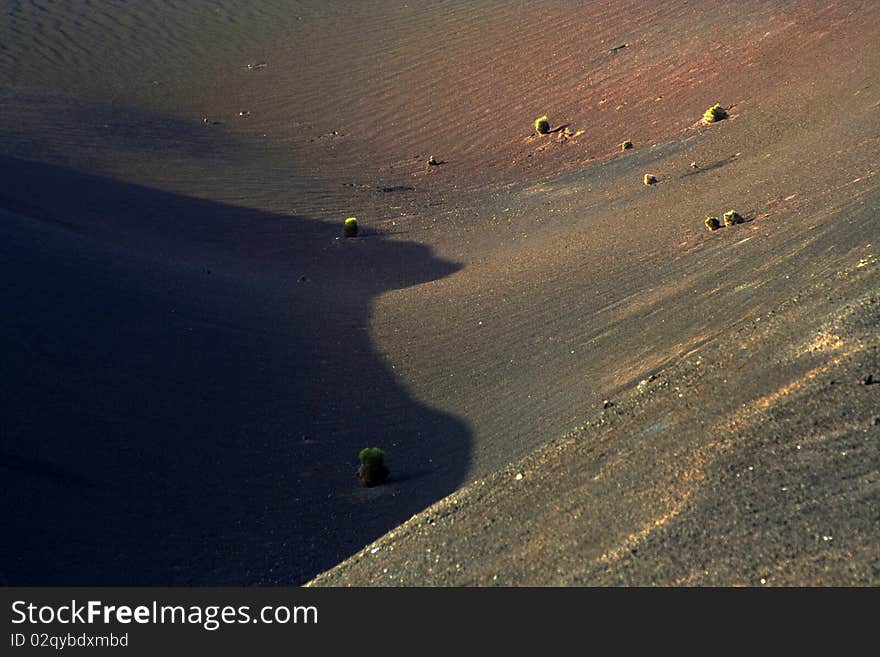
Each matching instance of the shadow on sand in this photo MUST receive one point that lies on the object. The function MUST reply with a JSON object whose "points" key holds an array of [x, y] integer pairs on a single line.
{"points": [[186, 386]]}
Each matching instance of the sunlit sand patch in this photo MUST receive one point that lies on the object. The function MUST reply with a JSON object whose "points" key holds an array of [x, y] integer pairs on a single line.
{"points": [[633, 539], [753, 409], [644, 362], [673, 503], [751, 285], [824, 341], [536, 189], [784, 391], [633, 304]]}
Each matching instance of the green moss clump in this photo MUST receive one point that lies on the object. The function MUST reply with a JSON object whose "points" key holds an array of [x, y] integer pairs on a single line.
{"points": [[373, 470], [650, 179], [626, 145], [714, 114], [542, 125], [371, 455], [350, 227], [732, 217], [712, 223]]}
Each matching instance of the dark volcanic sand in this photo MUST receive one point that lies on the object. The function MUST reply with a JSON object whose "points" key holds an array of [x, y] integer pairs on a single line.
{"points": [[752, 461], [180, 407]]}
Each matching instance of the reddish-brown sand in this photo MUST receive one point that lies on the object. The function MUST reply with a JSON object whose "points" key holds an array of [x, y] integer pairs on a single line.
{"points": [[195, 359]]}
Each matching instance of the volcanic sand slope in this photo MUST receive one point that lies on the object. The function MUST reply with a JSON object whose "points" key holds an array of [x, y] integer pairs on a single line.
{"points": [[753, 461], [517, 285], [185, 401]]}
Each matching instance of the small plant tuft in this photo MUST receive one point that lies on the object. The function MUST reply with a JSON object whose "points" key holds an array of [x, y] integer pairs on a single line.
{"points": [[712, 223], [542, 125], [372, 470], [350, 227], [626, 145], [714, 114], [650, 179], [732, 217]]}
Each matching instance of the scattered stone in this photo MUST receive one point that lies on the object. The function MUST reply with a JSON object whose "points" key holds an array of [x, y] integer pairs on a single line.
{"points": [[258, 65], [694, 165], [712, 223], [626, 145], [868, 380], [607, 404], [650, 179], [431, 161], [244, 114], [519, 476]]}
